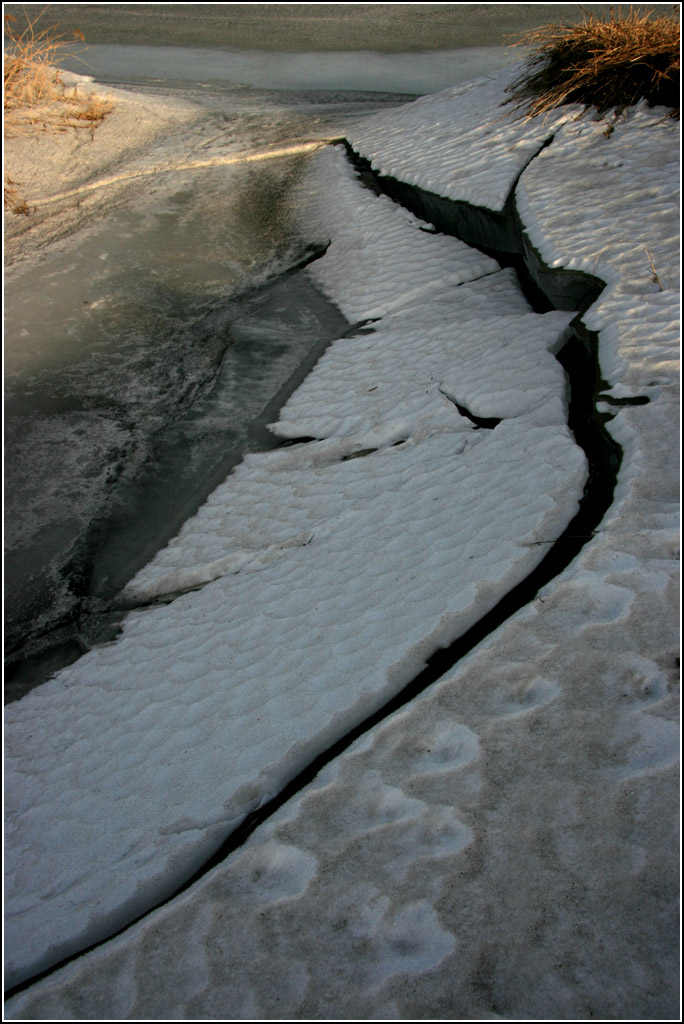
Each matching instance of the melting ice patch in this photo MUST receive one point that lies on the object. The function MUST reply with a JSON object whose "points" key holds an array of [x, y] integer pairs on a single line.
{"points": [[655, 746], [409, 941], [277, 871]]}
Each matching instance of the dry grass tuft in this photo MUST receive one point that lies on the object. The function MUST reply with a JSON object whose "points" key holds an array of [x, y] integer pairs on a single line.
{"points": [[651, 263], [34, 96], [13, 200], [601, 62]]}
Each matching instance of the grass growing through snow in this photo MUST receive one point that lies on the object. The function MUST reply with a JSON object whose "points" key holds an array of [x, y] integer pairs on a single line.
{"points": [[34, 96], [605, 63]]}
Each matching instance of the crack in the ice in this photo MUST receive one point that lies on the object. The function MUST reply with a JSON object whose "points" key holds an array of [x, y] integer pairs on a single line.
{"points": [[635, 400], [200, 576], [481, 422], [580, 360]]}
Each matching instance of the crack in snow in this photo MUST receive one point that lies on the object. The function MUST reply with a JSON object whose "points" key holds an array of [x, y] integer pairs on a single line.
{"points": [[574, 357], [486, 422]]}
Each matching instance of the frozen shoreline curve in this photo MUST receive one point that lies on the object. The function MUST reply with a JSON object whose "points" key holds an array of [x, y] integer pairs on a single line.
{"points": [[506, 843]]}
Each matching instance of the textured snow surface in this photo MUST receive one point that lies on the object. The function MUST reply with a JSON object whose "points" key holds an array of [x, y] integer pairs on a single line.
{"points": [[637, 255], [460, 143], [380, 256], [326, 580], [506, 846], [400, 384], [488, 853]]}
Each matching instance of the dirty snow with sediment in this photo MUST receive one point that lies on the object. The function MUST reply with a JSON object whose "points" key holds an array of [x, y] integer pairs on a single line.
{"points": [[505, 845]]}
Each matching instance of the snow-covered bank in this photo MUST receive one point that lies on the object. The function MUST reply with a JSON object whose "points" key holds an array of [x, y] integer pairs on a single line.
{"points": [[449, 864]]}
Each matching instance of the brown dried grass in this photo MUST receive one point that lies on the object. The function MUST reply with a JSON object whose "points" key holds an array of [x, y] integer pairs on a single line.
{"points": [[603, 62], [34, 96], [12, 199]]}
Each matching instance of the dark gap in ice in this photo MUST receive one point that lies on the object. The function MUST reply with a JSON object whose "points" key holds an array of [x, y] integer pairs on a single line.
{"points": [[502, 236], [499, 234], [358, 455], [123, 604], [484, 422], [636, 400], [290, 441], [579, 358], [362, 327], [358, 332]]}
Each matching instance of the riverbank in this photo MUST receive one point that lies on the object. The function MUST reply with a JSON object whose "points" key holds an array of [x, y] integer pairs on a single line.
{"points": [[123, 291], [42, 164], [506, 844]]}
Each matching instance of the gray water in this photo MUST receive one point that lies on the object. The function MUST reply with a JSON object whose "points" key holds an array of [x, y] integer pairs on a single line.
{"points": [[117, 335], [302, 28], [360, 71], [115, 338], [144, 356]]}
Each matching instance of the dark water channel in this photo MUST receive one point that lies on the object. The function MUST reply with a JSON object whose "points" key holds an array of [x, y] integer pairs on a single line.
{"points": [[275, 334], [144, 347]]}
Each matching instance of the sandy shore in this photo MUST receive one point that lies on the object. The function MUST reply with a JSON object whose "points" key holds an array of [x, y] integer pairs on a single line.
{"points": [[42, 163]]}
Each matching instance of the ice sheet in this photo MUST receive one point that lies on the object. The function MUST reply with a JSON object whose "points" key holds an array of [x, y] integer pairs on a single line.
{"points": [[507, 846], [461, 143], [322, 582], [380, 257]]}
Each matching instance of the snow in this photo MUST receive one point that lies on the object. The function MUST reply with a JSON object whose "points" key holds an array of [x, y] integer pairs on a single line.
{"points": [[463, 143], [506, 844], [380, 257]]}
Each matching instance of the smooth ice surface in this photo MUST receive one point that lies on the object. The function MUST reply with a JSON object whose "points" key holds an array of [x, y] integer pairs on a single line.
{"points": [[416, 73], [505, 847]]}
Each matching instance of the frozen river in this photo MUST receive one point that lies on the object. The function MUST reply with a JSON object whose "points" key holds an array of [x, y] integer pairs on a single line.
{"points": [[141, 354], [276, 793]]}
